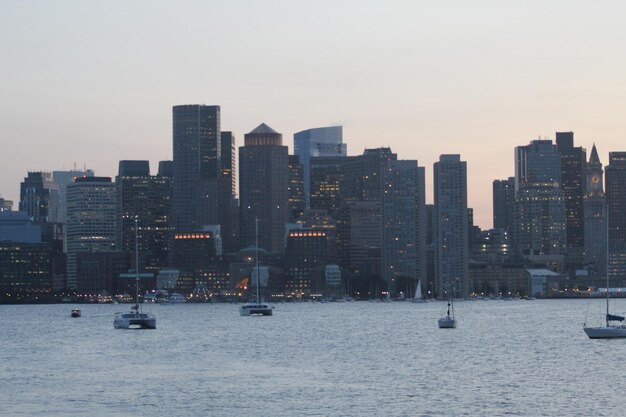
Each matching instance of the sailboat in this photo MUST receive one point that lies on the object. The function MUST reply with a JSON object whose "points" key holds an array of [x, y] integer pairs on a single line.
{"points": [[417, 298], [611, 330], [448, 322], [258, 308], [135, 319]]}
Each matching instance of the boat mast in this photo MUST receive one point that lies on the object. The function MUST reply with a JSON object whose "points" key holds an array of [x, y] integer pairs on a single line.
{"points": [[136, 267], [258, 281]]}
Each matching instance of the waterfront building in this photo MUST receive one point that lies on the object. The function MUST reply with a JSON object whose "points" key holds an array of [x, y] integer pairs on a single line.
{"points": [[451, 247], [404, 225], [148, 199], [540, 221], [263, 189], [26, 267], [306, 256], [91, 220], [98, 273], [196, 166], [17, 226], [595, 231], [195, 255], [317, 142]]}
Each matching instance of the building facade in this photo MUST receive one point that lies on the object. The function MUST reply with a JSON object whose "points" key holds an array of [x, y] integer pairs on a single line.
{"points": [[451, 247]]}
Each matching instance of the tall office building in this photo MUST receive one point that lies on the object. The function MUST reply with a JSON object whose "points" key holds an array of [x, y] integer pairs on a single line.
{"points": [[228, 203], [63, 179], [91, 220], [40, 198], [263, 188], [451, 247], [404, 225], [296, 188], [540, 221], [573, 162], [595, 215], [306, 256], [504, 204], [616, 200], [311, 143], [196, 166], [147, 198], [326, 176]]}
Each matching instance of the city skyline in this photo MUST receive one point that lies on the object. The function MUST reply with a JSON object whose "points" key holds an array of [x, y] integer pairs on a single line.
{"points": [[424, 78]]}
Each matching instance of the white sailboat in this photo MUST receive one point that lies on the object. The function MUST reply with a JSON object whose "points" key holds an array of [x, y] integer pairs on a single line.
{"points": [[448, 322], [610, 330], [136, 319], [258, 308], [417, 298]]}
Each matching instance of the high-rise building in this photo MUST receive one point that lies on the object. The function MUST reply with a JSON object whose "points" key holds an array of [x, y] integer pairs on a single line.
{"points": [[40, 198], [404, 225], [616, 200], [296, 188], [147, 198], [326, 176], [91, 220], [196, 166], [573, 161], [65, 178], [311, 143], [451, 248], [306, 256], [228, 203], [504, 204], [540, 221], [595, 216], [263, 188]]}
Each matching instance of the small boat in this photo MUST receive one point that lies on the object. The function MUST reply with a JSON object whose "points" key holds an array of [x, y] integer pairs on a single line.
{"points": [[448, 322], [135, 319], [75, 312], [176, 298], [258, 308]]}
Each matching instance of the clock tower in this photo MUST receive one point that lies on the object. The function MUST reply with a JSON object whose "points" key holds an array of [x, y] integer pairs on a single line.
{"points": [[595, 216]]}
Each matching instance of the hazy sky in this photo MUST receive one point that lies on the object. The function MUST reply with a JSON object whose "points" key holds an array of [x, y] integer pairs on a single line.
{"points": [[92, 83]]}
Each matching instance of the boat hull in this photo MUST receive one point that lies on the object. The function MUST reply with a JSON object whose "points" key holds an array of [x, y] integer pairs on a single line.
{"points": [[447, 323], [134, 321], [607, 332], [255, 310]]}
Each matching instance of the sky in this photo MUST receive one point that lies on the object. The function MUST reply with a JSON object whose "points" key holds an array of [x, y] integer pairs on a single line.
{"points": [[87, 84]]}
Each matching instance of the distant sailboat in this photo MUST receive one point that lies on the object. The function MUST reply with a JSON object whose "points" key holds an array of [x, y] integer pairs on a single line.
{"points": [[417, 298], [448, 322], [258, 308], [610, 330]]}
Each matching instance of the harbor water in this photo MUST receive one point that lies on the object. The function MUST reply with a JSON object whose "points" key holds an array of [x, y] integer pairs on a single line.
{"points": [[514, 358]]}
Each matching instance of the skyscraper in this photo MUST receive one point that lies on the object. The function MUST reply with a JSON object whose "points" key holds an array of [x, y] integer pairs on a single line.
{"points": [[573, 161], [196, 166], [321, 141], [147, 197], [616, 200], [91, 220], [504, 204], [451, 242], [263, 188], [65, 178], [595, 215], [404, 225], [540, 221], [40, 198], [296, 188]]}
